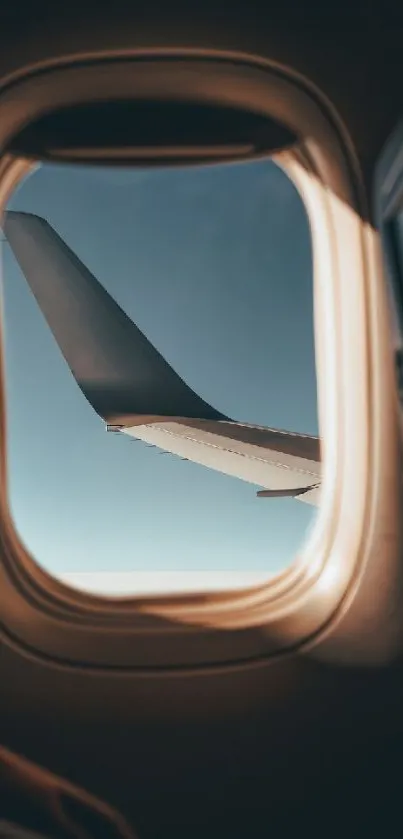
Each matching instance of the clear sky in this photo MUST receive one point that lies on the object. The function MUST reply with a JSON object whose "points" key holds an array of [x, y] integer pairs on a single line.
{"points": [[214, 265]]}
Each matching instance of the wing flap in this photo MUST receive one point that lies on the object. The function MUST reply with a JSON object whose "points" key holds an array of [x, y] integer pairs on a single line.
{"points": [[280, 469]]}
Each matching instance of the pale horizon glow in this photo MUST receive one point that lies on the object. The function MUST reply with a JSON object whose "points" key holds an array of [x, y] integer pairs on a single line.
{"points": [[161, 582]]}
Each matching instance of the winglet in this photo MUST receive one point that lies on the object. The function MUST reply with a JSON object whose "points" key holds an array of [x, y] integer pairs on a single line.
{"points": [[121, 374]]}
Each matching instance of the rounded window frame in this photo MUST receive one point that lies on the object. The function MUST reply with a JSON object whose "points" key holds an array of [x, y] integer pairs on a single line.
{"points": [[299, 606]]}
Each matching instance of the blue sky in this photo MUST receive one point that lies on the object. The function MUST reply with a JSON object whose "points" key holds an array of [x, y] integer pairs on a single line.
{"points": [[214, 265]]}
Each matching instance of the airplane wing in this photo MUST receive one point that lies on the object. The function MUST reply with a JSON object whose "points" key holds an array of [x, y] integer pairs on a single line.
{"points": [[134, 389]]}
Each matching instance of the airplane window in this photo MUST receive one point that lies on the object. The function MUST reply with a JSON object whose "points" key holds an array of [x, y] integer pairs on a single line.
{"points": [[160, 374]]}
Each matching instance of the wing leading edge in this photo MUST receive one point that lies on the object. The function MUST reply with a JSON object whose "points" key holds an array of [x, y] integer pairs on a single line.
{"points": [[133, 388]]}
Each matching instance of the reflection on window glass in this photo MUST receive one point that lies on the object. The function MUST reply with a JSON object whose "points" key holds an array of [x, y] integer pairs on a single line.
{"points": [[394, 259], [210, 351], [399, 227], [397, 232]]}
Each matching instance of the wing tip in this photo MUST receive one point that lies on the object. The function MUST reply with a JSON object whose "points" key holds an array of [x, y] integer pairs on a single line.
{"points": [[12, 217]]}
